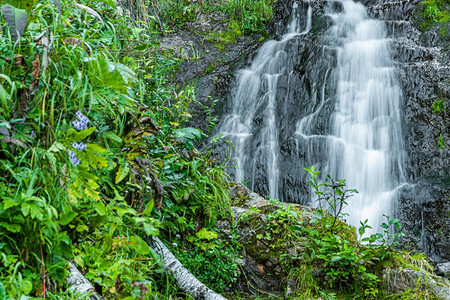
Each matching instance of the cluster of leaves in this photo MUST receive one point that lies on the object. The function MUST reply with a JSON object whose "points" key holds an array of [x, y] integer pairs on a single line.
{"points": [[87, 56], [330, 257], [212, 260], [249, 16], [436, 11]]}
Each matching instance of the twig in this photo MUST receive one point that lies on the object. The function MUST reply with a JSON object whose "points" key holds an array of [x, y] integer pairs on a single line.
{"points": [[43, 268]]}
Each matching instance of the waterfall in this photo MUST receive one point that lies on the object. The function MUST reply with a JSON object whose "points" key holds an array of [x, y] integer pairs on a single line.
{"points": [[256, 94], [360, 141], [365, 145]]}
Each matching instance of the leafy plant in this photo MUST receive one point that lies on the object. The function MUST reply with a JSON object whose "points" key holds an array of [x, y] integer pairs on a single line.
{"points": [[435, 11], [332, 192]]}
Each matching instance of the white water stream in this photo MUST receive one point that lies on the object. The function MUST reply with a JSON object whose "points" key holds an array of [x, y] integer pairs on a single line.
{"points": [[256, 93], [367, 144], [364, 144]]}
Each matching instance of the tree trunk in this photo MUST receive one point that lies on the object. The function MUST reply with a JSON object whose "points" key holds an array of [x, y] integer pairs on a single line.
{"points": [[77, 282], [186, 281]]}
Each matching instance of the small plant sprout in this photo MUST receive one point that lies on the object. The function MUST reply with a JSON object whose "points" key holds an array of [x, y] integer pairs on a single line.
{"points": [[81, 122]]}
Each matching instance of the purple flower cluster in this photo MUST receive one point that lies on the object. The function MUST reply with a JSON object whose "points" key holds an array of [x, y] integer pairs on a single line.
{"points": [[73, 158], [81, 122], [79, 146]]}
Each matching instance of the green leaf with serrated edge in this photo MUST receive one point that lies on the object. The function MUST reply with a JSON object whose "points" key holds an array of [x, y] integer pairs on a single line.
{"points": [[9, 202], [81, 135], [10, 227], [205, 234], [56, 147], [149, 229], [96, 148], [16, 19]]}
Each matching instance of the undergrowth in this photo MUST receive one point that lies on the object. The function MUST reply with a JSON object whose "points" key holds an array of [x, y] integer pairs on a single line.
{"points": [[324, 257], [249, 16], [95, 156]]}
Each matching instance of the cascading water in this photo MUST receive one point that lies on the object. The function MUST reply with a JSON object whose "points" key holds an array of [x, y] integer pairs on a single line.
{"points": [[256, 94], [365, 145], [353, 83]]}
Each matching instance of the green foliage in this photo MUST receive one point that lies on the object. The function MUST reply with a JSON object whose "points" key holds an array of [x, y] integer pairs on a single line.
{"points": [[246, 17], [211, 260], [251, 15], [439, 106], [16, 18], [332, 192], [435, 11], [332, 259], [139, 156]]}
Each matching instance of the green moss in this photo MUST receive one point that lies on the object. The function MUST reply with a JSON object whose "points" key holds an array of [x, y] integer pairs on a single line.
{"points": [[435, 11]]}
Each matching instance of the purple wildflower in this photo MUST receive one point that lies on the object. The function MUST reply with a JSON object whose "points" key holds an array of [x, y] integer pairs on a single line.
{"points": [[79, 146], [81, 122], [73, 158]]}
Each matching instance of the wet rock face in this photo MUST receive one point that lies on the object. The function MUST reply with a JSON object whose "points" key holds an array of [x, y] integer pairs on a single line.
{"points": [[423, 63], [424, 71]]}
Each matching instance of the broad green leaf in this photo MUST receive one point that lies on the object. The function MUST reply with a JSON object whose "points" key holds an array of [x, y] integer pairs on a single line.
{"points": [[56, 147], [112, 136], [2, 291], [5, 98], [67, 218], [99, 207], [16, 18], [110, 3], [36, 212], [82, 227], [139, 245], [188, 133], [26, 286], [22, 4], [121, 211], [149, 208], [122, 172], [336, 258]]}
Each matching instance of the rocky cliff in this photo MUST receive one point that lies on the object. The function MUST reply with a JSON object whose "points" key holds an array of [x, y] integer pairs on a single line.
{"points": [[422, 59]]}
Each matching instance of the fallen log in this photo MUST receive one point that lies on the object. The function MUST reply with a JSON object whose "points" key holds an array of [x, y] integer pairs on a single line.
{"points": [[78, 283], [186, 281]]}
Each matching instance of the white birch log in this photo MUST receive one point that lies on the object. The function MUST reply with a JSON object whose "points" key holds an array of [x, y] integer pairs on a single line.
{"points": [[185, 280], [78, 283]]}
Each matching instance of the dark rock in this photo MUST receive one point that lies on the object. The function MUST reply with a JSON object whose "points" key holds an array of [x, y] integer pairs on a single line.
{"points": [[423, 62], [443, 269], [401, 280]]}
